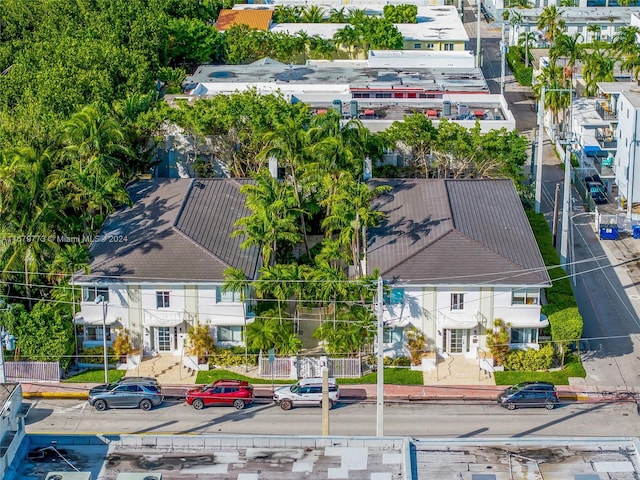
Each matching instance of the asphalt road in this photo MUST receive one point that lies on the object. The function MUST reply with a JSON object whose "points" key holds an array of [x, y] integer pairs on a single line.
{"points": [[472, 419]]}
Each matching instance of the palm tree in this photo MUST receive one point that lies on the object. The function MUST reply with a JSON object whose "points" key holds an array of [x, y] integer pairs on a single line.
{"points": [[96, 139], [526, 40], [551, 22], [273, 218], [594, 30], [346, 37], [338, 15], [287, 143], [30, 217], [625, 45], [598, 67], [313, 14], [568, 47], [235, 280], [555, 98]]}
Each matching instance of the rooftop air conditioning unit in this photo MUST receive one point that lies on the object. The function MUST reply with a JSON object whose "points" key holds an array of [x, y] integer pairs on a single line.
{"points": [[68, 476], [139, 476]]}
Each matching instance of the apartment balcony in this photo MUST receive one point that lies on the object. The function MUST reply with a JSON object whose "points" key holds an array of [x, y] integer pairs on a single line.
{"points": [[605, 111], [606, 137]]}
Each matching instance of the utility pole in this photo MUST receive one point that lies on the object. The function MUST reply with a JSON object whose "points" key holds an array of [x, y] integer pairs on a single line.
{"points": [[478, 25], [325, 401], [380, 376], [556, 209], [503, 51], [566, 207], [540, 149]]}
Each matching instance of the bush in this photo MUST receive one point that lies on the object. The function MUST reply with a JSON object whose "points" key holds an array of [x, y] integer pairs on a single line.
{"points": [[95, 355], [396, 361], [530, 360], [515, 58], [231, 357]]}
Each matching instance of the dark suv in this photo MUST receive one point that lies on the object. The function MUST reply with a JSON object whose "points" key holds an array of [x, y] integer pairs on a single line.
{"points": [[127, 394], [529, 394]]}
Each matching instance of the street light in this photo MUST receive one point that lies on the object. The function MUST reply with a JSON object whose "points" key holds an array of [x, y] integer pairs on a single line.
{"points": [[380, 365], [101, 299]]}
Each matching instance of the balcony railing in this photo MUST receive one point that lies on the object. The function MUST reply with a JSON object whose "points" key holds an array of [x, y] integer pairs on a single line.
{"points": [[605, 112], [606, 138]]}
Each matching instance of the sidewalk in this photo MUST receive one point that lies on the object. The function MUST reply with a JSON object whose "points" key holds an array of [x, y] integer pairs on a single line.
{"points": [[367, 392]]}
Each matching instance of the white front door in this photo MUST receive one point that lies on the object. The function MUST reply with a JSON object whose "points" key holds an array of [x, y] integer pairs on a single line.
{"points": [[164, 339], [456, 340]]}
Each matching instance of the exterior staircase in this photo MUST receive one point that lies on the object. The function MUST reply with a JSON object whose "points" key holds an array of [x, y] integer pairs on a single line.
{"points": [[457, 370], [167, 369]]}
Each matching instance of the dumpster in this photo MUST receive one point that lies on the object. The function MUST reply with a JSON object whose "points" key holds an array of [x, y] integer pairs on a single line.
{"points": [[636, 231], [608, 232]]}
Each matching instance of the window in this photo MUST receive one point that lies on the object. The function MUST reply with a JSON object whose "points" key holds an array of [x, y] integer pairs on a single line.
{"points": [[228, 333], [524, 335], [392, 335], [95, 333], [162, 299], [429, 46], [227, 297], [524, 296], [90, 294], [417, 45], [448, 46], [394, 297], [457, 301]]}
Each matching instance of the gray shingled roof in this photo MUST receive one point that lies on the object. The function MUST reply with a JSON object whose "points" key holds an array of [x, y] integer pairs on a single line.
{"points": [[176, 230], [454, 232]]}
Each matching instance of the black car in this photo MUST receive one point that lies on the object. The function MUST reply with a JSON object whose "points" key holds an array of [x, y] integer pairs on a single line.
{"points": [[529, 394], [599, 197]]}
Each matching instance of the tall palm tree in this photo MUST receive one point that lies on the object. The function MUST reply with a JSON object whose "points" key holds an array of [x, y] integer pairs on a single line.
{"points": [[598, 67], [273, 218], [625, 45], [568, 47], [338, 15], [551, 22], [287, 142], [28, 225], [313, 14], [526, 40], [348, 38]]}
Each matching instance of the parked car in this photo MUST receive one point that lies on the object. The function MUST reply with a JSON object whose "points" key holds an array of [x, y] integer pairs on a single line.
{"points": [[221, 392], [598, 197], [126, 381], [308, 391], [128, 394], [529, 394]]}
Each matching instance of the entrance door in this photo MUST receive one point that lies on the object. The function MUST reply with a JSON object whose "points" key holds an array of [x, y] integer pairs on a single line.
{"points": [[164, 339], [456, 340]]}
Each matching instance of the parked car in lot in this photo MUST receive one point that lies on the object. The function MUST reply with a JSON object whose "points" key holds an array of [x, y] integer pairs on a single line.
{"points": [[126, 394], [599, 198], [529, 394], [221, 392], [308, 391]]}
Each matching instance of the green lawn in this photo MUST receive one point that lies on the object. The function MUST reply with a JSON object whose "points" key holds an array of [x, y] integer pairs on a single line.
{"points": [[573, 369], [392, 376], [95, 376]]}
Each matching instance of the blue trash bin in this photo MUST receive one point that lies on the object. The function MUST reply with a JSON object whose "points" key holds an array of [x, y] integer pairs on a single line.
{"points": [[608, 232], [636, 231]]}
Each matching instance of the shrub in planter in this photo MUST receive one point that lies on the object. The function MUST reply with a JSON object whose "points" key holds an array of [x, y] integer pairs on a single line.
{"points": [[200, 342], [123, 345], [95, 355], [416, 344], [498, 341], [530, 360], [227, 358]]}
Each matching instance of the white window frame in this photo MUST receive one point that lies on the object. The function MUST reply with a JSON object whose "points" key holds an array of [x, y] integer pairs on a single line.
{"points": [[235, 333], [163, 299], [89, 294], [530, 336], [95, 331], [525, 296], [393, 335], [227, 297], [457, 301]]}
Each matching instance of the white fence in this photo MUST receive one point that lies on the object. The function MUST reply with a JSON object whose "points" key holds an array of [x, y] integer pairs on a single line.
{"points": [[304, 367], [32, 371]]}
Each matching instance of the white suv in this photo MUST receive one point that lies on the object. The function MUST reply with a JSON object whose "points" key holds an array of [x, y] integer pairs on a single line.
{"points": [[307, 391]]}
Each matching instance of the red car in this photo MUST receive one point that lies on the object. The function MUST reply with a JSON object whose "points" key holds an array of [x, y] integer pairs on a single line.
{"points": [[221, 392]]}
